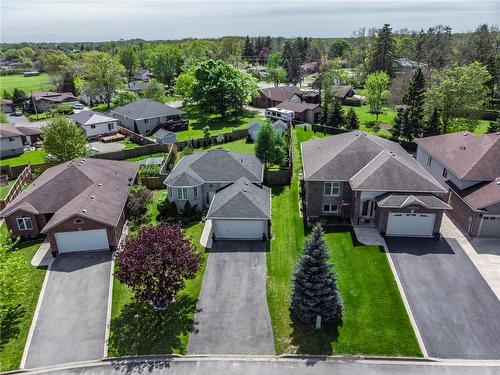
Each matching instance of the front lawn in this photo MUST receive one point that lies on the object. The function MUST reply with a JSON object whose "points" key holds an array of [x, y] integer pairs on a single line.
{"points": [[375, 319], [136, 329], [14, 330], [217, 124], [28, 157]]}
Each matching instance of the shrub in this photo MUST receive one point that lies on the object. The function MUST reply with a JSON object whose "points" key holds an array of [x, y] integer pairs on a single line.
{"points": [[166, 210], [149, 170], [138, 201], [61, 109], [353, 102]]}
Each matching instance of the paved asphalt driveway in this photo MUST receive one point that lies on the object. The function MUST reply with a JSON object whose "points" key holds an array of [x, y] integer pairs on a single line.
{"points": [[457, 313], [232, 315], [71, 324]]}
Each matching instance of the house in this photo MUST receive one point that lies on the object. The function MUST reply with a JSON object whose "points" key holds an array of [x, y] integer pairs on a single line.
{"points": [[241, 210], [342, 91], [7, 106], [273, 96], [312, 96], [137, 86], [78, 205], [144, 116], [46, 100], [166, 137], [11, 142], [143, 75], [279, 127], [404, 64], [468, 166], [371, 181], [30, 134], [310, 68], [303, 112], [95, 124]]}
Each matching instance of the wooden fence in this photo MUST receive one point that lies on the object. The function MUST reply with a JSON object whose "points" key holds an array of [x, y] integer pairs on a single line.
{"points": [[22, 180], [201, 142], [134, 152], [137, 138]]}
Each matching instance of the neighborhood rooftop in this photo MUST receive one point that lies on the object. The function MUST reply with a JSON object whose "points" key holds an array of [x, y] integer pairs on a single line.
{"points": [[8, 130], [90, 118], [297, 106], [281, 93], [146, 108]]}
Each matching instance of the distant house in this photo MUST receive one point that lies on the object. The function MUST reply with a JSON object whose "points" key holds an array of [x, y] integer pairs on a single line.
{"points": [[144, 116], [468, 166], [30, 134], [46, 100], [303, 112], [311, 97], [95, 124], [273, 96], [137, 86], [310, 68], [11, 142], [166, 137], [143, 75], [342, 91], [253, 129], [7, 106], [404, 64]]}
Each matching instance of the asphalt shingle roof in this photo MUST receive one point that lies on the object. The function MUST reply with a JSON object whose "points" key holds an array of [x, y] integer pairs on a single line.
{"points": [[394, 200], [9, 130], [90, 117], [281, 93], [216, 166], [480, 196], [243, 199], [146, 108]]}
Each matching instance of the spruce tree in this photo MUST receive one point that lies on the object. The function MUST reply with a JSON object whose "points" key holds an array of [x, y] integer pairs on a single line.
{"points": [[494, 126], [352, 121], [433, 126], [401, 127], [315, 290], [383, 53], [248, 52], [337, 114]]}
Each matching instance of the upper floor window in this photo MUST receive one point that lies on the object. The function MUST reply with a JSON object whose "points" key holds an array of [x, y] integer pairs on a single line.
{"points": [[24, 223], [445, 173], [332, 188], [182, 193], [429, 160]]}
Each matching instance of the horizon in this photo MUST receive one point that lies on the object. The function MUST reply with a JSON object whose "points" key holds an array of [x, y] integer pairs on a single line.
{"points": [[48, 22]]}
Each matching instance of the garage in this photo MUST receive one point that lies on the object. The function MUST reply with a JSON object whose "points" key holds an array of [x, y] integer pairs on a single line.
{"points": [[410, 224], [240, 229], [85, 240], [490, 226]]}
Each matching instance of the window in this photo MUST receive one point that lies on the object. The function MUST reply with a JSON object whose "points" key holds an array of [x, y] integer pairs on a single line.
{"points": [[110, 126], [332, 188], [445, 172], [182, 193], [171, 193], [145, 120], [11, 139], [429, 160], [195, 192], [92, 126], [330, 208], [24, 223]]}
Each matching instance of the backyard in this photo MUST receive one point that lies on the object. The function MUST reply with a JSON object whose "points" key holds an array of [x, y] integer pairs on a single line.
{"points": [[28, 157], [374, 321], [16, 326], [4, 190], [136, 329], [27, 84]]}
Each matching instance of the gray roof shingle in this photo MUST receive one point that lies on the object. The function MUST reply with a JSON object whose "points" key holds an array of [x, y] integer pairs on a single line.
{"points": [[146, 108], [243, 200], [392, 200], [90, 117]]}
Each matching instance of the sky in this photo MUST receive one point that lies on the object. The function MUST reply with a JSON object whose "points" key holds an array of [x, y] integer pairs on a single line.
{"points": [[101, 20]]}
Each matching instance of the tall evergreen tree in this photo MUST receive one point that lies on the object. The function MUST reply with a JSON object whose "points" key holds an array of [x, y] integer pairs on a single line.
{"points": [[494, 126], [352, 121], [248, 52], [401, 128], [433, 125], [258, 45], [292, 61], [383, 54], [315, 290], [337, 118]]}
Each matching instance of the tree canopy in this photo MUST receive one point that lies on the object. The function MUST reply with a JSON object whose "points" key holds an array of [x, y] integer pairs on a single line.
{"points": [[63, 140], [269, 146], [382, 58], [165, 62], [155, 91], [376, 91]]}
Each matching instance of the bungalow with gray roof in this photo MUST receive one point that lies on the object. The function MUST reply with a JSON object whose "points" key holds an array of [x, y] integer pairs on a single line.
{"points": [[95, 124], [371, 181]]}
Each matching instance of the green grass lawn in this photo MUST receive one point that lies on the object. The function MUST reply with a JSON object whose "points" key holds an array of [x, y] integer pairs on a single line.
{"points": [[16, 327], [240, 145], [33, 157], [4, 190], [217, 125], [27, 84], [375, 320], [136, 329], [129, 144]]}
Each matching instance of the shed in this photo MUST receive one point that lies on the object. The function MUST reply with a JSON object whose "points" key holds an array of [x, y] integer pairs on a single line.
{"points": [[163, 136]]}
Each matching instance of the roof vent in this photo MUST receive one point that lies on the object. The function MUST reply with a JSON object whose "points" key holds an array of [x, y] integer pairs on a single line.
{"points": [[466, 133], [356, 134], [245, 190], [462, 147], [84, 210], [246, 182], [99, 184], [92, 197]]}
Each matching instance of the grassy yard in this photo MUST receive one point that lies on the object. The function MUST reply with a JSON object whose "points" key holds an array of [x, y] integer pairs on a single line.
{"points": [[240, 145], [375, 320], [33, 157], [129, 144], [16, 327], [136, 329], [4, 190], [27, 84]]}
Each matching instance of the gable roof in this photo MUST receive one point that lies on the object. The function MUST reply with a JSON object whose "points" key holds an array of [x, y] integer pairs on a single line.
{"points": [[84, 118], [8, 130], [253, 125], [30, 130], [468, 156], [297, 107], [480, 196], [162, 133], [281, 93], [280, 126], [368, 162], [146, 108], [93, 188], [392, 200], [215, 166], [137, 85], [340, 90], [242, 199], [54, 96]]}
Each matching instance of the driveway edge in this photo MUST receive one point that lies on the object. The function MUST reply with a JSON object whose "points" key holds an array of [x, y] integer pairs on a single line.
{"points": [[110, 306], [35, 318]]}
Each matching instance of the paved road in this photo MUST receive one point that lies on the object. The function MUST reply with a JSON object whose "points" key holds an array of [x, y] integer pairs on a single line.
{"points": [[23, 121], [71, 323], [457, 313], [272, 366], [232, 316]]}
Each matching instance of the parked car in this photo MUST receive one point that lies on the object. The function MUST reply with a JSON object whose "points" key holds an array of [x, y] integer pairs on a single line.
{"points": [[78, 106]]}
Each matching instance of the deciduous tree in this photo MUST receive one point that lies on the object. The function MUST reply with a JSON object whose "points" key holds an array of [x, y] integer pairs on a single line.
{"points": [[128, 58], [165, 62], [63, 140], [137, 203], [269, 146], [155, 91], [125, 97], [376, 90]]}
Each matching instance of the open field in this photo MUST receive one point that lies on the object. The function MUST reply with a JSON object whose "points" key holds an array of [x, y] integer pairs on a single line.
{"points": [[27, 84]]}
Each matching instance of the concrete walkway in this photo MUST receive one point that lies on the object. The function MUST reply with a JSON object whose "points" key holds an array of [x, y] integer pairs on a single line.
{"points": [[43, 257], [484, 253], [206, 235]]}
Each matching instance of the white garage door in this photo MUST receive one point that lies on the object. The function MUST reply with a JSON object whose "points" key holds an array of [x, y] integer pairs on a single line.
{"points": [[490, 226], [406, 224], [240, 229], [84, 240]]}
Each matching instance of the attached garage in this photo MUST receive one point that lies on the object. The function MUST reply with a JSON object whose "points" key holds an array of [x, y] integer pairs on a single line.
{"points": [[410, 224], [84, 240], [490, 226], [240, 229]]}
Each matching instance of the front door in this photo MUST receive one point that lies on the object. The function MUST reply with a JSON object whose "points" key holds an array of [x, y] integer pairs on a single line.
{"points": [[209, 196], [368, 209]]}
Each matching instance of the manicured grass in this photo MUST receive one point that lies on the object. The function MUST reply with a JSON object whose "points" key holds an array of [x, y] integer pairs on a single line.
{"points": [[375, 320], [4, 190], [240, 145], [27, 84], [136, 329], [217, 125], [102, 107], [155, 155], [129, 144], [16, 327], [28, 157]]}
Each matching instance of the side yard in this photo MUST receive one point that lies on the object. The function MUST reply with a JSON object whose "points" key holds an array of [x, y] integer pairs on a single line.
{"points": [[375, 321]]}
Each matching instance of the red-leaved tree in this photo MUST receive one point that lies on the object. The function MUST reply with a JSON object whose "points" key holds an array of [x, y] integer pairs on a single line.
{"points": [[156, 262]]}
